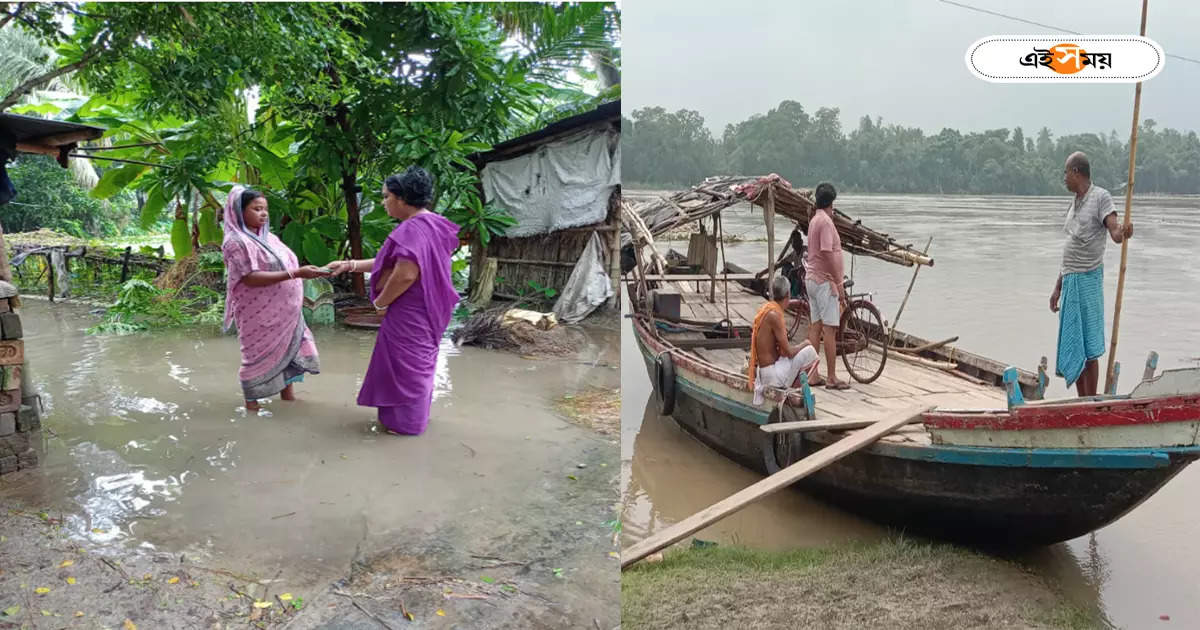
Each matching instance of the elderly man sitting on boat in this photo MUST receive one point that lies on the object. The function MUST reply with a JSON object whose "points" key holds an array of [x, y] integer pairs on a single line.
{"points": [[774, 362]]}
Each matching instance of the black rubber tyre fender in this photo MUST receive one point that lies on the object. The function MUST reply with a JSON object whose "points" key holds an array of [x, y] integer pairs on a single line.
{"points": [[664, 383]]}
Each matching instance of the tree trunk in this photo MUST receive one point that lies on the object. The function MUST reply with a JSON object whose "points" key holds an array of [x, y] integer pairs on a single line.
{"points": [[195, 223], [350, 190], [353, 225]]}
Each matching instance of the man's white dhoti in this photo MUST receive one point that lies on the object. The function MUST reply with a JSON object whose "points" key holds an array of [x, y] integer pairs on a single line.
{"points": [[783, 372]]}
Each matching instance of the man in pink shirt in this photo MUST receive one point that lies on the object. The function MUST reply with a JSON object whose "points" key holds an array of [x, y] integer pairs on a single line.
{"points": [[823, 280]]}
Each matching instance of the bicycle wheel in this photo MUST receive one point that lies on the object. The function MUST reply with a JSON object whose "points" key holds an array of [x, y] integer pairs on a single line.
{"points": [[861, 324], [798, 309]]}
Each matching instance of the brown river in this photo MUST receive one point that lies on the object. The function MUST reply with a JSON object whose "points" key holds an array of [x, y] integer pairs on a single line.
{"points": [[996, 260]]}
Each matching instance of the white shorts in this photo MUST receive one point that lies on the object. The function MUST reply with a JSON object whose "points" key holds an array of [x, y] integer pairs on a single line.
{"points": [[823, 303], [783, 372]]}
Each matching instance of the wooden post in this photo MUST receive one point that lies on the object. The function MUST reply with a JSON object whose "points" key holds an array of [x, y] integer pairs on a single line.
{"points": [[1110, 388], [1151, 366], [1111, 374], [766, 487], [1042, 379], [810, 402], [769, 217], [5, 271], [50, 276], [614, 259], [1013, 386], [712, 275], [125, 264], [724, 266]]}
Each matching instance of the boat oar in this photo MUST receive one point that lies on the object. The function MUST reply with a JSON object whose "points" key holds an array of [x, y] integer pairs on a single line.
{"points": [[1109, 377], [768, 486]]}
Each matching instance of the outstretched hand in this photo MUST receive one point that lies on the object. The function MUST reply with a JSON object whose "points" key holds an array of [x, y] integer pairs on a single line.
{"points": [[338, 267], [311, 271]]}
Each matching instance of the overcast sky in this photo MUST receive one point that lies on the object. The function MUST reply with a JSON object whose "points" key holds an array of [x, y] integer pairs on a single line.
{"points": [[899, 59]]}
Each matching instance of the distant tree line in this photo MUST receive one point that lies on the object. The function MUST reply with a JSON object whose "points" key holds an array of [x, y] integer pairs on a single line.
{"points": [[670, 149]]}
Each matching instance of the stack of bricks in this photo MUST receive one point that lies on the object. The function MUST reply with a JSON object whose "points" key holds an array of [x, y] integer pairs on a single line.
{"points": [[20, 420]]}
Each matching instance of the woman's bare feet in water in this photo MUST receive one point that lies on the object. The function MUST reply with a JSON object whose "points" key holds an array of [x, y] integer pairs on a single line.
{"points": [[287, 393], [252, 405]]}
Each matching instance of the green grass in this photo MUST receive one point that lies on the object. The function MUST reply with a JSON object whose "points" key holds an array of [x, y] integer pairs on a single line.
{"points": [[897, 583]]}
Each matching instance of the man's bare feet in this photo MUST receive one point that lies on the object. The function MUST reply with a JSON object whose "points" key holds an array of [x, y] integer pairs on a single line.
{"points": [[252, 405], [287, 393]]}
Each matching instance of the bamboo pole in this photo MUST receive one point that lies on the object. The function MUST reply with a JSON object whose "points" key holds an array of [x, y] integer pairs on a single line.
{"points": [[892, 334], [724, 266], [1137, 105], [768, 486], [769, 217]]}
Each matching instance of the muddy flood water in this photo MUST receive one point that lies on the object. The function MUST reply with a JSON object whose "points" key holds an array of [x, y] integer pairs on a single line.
{"points": [[996, 260], [147, 447]]}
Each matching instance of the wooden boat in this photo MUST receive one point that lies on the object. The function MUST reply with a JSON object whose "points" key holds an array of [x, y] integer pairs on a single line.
{"points": [[989, 463]]}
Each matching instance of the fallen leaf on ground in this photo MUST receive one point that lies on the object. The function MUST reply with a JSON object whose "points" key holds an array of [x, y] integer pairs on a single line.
{"points": [[488, 579], [78, 613], [441, 613], [12, 611], [263, 604], [613, 554], [70, 580], [41, 590], [97, 530], [287, 597], [129, 625], [173, 580], [66, 563], [46, 613], [572, 478]]}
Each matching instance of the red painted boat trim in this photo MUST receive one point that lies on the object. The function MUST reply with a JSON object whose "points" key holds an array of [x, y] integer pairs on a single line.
{"points": [[1071, 415]]}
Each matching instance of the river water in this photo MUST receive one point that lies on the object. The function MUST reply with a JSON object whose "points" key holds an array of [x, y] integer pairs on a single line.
{"points": [[147, 446], [996, 261]]}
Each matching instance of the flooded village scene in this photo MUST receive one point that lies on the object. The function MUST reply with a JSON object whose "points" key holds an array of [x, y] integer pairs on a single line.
{"points": [[998, 496], [310, 315]]}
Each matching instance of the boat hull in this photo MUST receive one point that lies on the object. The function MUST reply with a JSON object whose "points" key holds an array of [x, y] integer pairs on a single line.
{"points": [[992, 496]]}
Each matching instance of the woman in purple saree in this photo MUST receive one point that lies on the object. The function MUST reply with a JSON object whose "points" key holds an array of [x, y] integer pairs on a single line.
{"points": [[410, 279], [264, 293]]}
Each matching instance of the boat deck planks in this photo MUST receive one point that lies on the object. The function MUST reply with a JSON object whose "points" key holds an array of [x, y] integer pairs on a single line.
{"points": [[903, 385]]}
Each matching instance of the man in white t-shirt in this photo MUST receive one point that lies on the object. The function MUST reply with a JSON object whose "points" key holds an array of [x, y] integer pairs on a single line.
{"points": [[1078, 295]]}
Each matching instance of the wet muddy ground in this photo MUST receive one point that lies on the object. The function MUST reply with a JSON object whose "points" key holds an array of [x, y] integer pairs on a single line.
{"points": [[148, 455]]}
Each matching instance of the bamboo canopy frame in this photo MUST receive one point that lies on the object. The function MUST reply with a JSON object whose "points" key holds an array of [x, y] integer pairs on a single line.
{"points": [[718, 193]]}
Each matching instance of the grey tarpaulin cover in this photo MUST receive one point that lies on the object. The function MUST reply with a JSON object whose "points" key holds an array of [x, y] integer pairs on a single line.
{"points": [[563, 184], [588, 286]]}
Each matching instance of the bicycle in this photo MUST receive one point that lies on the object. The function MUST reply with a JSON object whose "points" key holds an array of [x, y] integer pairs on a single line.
{"points": [[860, 322]]}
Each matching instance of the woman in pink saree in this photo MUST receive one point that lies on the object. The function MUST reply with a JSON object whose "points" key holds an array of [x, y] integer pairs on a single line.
{"points": [[264, 295], [410, 279]]}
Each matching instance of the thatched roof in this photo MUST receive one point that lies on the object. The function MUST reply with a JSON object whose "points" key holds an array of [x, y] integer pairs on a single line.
{"points": [[715, 194]]}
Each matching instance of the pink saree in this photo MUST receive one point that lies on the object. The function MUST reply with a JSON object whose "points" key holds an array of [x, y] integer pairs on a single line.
{"points": [[277, 347]]}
